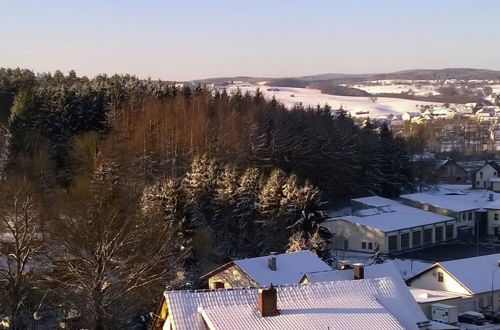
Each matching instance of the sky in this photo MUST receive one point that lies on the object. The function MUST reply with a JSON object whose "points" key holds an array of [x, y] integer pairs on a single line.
{"points": [[195, 39]]}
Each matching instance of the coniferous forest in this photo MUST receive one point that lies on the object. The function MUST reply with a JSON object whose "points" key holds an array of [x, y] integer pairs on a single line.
{"points": [[114, 187]]}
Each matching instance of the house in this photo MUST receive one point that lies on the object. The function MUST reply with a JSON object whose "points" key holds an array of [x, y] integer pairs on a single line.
{"points": [[451, 172], [481, 177], [476, 279], [389, 226], [357, 304], [276, 269], [463, 212], [423, 297], [493, 215], [411, 116]]}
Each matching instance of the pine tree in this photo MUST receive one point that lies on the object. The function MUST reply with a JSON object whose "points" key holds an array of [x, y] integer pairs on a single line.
{"points": [[273, 225], [244, 214]]}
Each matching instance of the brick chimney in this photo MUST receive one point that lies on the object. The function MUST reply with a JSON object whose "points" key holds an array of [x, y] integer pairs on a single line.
{"points": [[359, 271], [268, 301], [271, 261]]}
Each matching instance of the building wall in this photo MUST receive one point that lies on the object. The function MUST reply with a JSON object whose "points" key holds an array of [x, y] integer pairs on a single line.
{"points": [[483, 181], [495, 186], [355, 235], [492, 223], [231, 277], [452, 173], [430, 281]]}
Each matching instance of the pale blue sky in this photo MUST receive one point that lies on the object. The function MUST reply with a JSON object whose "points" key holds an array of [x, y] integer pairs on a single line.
{"points": [[190, 39]]}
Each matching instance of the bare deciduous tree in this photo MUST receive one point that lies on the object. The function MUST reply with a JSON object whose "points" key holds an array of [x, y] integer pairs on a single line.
{"points": [[115, 256], [20, 241]]}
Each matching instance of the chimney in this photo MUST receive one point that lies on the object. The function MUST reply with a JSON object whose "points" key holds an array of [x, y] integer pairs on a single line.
{"points": [[359, 271], [491, 197], [271, 261], [268, 301]]}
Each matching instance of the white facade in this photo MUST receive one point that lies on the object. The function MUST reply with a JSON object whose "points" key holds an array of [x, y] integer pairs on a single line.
{"points": [[356, 237], [484, 175]]}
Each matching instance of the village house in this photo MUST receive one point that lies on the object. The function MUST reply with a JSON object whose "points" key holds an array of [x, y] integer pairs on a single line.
{"points": [[476, 279], [379, 303], [424, 298], [481, 177], [387, 226], [451, 172], [463, 212], [493, 215], [276, 269]]}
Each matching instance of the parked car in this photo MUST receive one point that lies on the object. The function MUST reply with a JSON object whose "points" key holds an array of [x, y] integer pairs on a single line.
{"points": [[472, 318], [493, 317]]}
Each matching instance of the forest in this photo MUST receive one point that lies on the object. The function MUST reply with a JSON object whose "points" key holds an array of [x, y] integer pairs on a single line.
{"points": [[114, 188]]}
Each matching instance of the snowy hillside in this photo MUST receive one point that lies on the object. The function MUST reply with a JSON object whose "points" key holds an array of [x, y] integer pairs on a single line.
{"points": [[381, 106]]}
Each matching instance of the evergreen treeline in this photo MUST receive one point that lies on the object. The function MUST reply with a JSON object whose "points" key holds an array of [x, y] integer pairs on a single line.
{"points": [[166, 127]]}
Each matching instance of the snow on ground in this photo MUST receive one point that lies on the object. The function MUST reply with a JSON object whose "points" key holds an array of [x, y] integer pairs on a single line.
{"points": [[495, 88], [423, 90], [356, 105]]}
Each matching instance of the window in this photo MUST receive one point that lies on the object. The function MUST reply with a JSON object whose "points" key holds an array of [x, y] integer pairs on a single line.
{"points": [[477, 183], [464, 216], [459, 178], [370, 246], [405, 241], [494, 173], [496, 216], [416, 238], [363, 245], [480, 175], [219, 285], [438, 232], [393, 243], [449, 232], [346, 245], [440, 277], [469, 215], [428, 236]]}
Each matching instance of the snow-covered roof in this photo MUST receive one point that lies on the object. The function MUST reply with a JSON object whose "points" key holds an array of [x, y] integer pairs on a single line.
{"points": [[289, 267], [495, 180], [476, 273], [374, 303], [423, 296], [396, 216], [457, 201], [443, 201]]}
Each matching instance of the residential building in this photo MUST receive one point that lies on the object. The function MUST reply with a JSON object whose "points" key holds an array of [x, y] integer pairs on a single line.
{"points": [[493, 216], [276, 269], [423, 297], [451, 172], [463, 212], [476, 279], [358, 304], [481, 177], [387, 226]]}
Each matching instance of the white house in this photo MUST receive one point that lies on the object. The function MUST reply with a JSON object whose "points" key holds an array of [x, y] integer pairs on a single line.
{"points": [[476, 279], [424, 298], [276, 269], [481, 177], [389, 226], [373, 304]]}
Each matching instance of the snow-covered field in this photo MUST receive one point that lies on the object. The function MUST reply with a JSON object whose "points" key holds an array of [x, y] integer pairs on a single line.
{"points": [[308, 96], [421, 90], [495, 88]]}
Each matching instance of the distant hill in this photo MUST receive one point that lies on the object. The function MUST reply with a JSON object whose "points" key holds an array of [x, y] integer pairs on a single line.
{"points": [[419, 74]]}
